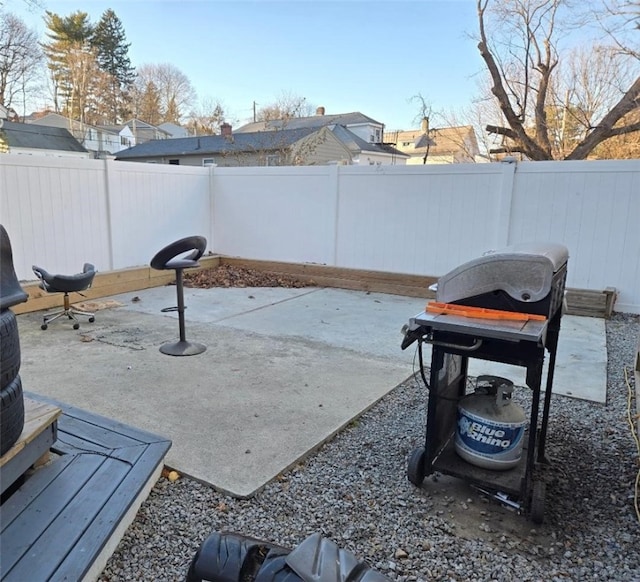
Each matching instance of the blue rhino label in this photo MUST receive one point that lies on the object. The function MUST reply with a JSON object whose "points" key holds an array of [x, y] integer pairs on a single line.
{"points": [[487, 443]]}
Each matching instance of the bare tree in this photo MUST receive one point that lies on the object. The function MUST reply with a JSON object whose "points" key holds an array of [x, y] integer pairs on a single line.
{"points": [[207, 117], [20, 62], [518, 41], [175, 91], [286, 106]]}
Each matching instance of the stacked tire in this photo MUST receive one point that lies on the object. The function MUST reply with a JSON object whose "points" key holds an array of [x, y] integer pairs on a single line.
{"points": [[11, 399]]}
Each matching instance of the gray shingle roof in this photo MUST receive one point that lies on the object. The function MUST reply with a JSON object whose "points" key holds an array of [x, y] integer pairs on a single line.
{"points": [[316, 121], [22, 135], [216, 144], [356, 144]]}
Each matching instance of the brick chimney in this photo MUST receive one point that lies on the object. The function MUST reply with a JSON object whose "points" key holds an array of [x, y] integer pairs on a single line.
{"points": [[320, 111], [225, 129]]}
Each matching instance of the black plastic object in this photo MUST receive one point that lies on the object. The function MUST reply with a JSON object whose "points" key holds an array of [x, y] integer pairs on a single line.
{"points": [[229, 557], [11, 293], [179, 255], [11, 414]]}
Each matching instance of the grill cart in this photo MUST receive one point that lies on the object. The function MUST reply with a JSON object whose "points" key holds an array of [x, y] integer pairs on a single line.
{"points": [[504, 306]]}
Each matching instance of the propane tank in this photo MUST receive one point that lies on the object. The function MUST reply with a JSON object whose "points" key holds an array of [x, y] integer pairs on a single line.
{"points": [[490, 428]]}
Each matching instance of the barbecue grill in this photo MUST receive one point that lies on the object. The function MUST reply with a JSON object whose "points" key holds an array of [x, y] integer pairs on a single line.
{"points": [[504, 306]]}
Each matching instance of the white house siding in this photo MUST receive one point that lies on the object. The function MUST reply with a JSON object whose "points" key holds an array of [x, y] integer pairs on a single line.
{"points": [[365, 131], [322, 148]]}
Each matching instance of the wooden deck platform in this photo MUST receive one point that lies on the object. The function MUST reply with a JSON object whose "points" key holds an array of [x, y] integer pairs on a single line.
{"points": [[67, 517]]}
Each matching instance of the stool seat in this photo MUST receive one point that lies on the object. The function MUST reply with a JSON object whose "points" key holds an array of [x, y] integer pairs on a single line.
{"points": [[181, 264], [174, 257]]}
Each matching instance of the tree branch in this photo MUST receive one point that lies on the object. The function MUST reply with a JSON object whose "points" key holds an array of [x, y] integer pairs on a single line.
{"points": [[532, 149], [502, 131], [629, 101], [624, 129]]}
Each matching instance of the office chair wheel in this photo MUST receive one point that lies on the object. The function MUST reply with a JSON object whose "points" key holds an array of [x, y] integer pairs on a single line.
{"points": [[76, 326], [44, 326], [92, 319]]}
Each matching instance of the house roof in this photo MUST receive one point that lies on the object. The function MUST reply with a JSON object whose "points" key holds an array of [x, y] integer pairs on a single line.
{"points": [[356, 144], [216, 144], [441, 141], [174, 130], [314, 121], [140, 125], [23, 135]]}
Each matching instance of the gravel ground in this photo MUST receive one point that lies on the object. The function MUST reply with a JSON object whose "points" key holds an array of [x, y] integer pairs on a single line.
{"points": [[354, 490]]}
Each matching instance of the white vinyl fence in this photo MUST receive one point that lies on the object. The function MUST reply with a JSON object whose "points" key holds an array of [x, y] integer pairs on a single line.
{"points": [[406, 219]]}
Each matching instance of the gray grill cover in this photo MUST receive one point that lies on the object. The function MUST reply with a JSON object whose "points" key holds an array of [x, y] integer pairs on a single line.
{"points": [[524, 271]]}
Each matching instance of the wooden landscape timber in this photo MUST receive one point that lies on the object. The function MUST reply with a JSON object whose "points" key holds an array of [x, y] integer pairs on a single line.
{"points": [[594, 303]]}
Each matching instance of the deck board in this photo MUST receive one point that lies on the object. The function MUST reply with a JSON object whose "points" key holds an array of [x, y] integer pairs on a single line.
{"points": [[63, 516]]}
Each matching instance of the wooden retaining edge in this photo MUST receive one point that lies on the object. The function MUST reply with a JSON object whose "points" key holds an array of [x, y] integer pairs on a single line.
{"points": [[104, 285], [580, 301]]}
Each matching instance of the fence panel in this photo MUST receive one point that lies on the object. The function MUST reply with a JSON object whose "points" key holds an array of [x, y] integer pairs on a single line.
{"points": [[275, 213], [591, 207], [419, 220], [61, 212], [54, 211], [151, 205]]}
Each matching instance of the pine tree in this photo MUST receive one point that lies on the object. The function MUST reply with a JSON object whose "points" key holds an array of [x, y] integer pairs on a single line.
{"points": [[70, 61], [109, 41], [149, 104]]}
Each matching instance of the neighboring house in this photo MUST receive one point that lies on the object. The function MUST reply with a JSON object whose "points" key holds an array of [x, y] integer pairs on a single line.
{"points": [[302, 146], [101, 140], [174, 130], [31, 139], [8, 113], [361, 135], [446, 145], [143, 131]]}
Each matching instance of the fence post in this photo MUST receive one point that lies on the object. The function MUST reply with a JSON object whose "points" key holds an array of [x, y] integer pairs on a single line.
{"points": [[503, 226], [334, 184], [107, 194]]}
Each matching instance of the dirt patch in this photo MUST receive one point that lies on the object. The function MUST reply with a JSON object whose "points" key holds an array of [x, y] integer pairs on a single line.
{"points": [[230, 276], [473, 515]]}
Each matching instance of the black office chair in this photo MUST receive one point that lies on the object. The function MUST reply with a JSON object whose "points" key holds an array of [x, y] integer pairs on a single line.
{"points": [[174, 256], [66, 284]]}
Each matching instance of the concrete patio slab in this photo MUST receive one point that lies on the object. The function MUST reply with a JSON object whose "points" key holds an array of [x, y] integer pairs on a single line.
{"points": [[284, 370]]}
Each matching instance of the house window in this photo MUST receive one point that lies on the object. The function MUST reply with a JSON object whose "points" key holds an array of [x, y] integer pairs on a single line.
{"points": [[175, 162], [406, 144], [377, 136], [125, 141], [371, 139], [272, 160], [208, 162]]}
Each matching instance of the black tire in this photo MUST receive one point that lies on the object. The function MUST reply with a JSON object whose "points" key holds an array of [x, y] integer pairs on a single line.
{"points": [[11, 414], [231, 557], [415, 467], [9, 348], [537, 502]]}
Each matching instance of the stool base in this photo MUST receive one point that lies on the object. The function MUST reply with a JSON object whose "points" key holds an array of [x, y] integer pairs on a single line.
{"points": [[182, 348]]}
